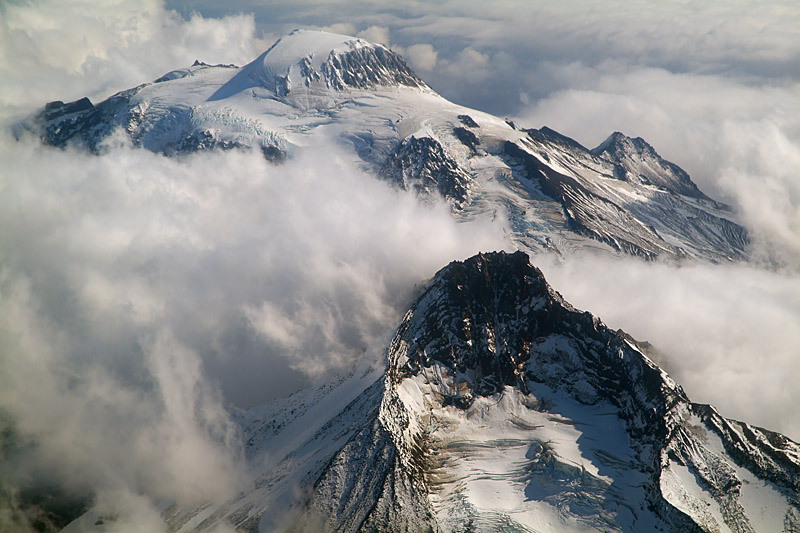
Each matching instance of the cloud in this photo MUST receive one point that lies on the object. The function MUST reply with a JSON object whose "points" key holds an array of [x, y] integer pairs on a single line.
{"points": [[150, 424], [759, 171], [376, 34], [342, 28], [732, 35], [727, 333], [470, 60], [99, 48], [421, 56], [142, 294]]}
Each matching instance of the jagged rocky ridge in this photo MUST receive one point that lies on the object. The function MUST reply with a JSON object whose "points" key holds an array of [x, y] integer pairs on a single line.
{"points": [[574, 425], [641, 204], [503, 408], [422, 164], [558, 196]]}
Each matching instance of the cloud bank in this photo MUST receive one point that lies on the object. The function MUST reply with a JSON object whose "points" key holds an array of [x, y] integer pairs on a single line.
{"points": [[52, 50], [141, 296], [728, 334]]}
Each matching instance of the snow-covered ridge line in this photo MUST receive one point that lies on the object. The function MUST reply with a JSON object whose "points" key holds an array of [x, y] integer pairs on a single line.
{"points": [[502, 407], [312, 87], [317, 61]]}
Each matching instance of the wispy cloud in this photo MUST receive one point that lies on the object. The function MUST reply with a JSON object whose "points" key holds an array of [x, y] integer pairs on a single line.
{"points": [[52, 50], [728, 333], [140, 294]]}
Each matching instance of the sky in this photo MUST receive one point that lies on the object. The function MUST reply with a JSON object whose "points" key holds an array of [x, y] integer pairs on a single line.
{"points": [[147, 296]]}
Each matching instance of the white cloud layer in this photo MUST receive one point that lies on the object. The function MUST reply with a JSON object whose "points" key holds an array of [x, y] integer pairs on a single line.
{"points": [[729, 334], [64, 50], [421, 56], [376, 34], [139, 294]]}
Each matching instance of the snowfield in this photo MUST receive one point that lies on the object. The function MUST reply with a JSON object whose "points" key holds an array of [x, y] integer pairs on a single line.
{"points": [[500, 406]]}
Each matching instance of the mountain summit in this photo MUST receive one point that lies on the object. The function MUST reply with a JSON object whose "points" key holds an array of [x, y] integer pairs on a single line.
{"points": [[503, 408], [310, 87], [315, 61], [500, 407], [635, 159]]}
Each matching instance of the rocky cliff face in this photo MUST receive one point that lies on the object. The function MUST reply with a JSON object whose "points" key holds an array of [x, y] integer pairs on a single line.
{"points": [[503, 408], [424, 166]]}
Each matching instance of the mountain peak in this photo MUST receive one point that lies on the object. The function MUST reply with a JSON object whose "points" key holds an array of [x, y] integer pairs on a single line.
{"points": [[636, 160], [319, 61], [487, 320], [479, 318], [619, 142], [492, 367]]}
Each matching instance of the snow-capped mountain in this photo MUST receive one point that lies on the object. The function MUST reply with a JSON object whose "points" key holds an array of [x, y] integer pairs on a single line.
{"points": [[500, 407], [312, 86], [503, 408]]}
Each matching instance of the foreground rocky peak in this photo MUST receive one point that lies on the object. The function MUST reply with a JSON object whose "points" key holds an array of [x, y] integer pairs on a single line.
{"points": [[492, 322], [478, 318], [503, 408]]}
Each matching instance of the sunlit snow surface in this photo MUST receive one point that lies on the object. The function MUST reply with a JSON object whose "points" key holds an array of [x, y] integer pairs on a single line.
{"points": [[538, 462], [313, 88], [512, 461], [765, 507]]}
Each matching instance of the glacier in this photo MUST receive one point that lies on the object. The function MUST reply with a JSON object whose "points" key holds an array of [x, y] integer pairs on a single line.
{"points": [[311, 87], [498, 406]]}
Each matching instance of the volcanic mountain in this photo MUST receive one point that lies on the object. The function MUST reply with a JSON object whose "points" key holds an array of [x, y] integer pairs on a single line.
{"points": [[310, 86], [503, 408], [497, 405]]}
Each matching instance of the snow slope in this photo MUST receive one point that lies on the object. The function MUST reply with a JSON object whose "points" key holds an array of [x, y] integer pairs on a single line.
{"points": [[502, 408], [312, 87], [505, 409]]}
